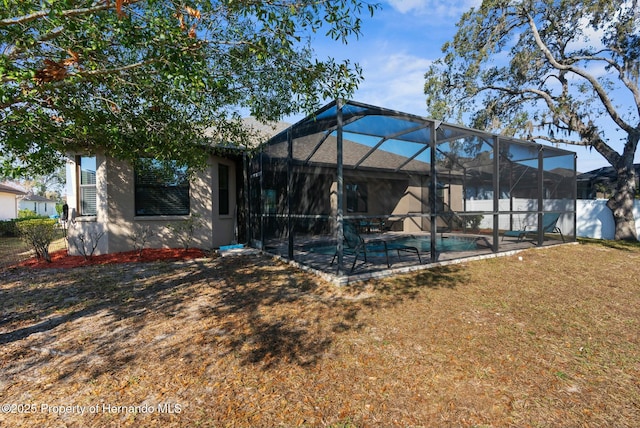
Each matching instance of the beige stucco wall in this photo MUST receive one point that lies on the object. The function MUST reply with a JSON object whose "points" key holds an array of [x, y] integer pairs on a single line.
{"points": [[454, 197], [116, 217], [396, 196]]}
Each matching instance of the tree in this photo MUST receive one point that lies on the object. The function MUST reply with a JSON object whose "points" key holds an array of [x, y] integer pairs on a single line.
{"points": [[48, 185], [159, 78], [554, 70]]}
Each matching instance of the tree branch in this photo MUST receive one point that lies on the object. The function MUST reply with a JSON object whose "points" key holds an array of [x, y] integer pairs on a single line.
{"points": [[600, 91], [621, 74], [587, 132], [106, 71], [19, 20]]}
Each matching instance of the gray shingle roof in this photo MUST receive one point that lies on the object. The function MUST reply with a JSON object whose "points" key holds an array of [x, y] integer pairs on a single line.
{"points": [[8, 189]]}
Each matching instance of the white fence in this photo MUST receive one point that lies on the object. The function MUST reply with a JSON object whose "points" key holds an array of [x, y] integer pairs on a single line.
{"points": [[593, 218], [519, 221]]}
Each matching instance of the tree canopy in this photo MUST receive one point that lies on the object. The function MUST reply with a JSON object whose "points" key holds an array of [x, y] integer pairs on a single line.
{"points": [[563, 71], [159, 78]]}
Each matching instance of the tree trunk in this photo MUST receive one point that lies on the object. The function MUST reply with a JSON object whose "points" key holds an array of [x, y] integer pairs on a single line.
{"points": [[621, 203]]}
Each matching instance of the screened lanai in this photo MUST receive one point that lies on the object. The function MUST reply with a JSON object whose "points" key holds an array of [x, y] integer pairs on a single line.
{"points": [[356, 189]]}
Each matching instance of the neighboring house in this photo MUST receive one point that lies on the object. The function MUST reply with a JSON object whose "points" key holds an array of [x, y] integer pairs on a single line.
{"points": [[38, 204], [9, 202], [116, 207], [600, 183]]}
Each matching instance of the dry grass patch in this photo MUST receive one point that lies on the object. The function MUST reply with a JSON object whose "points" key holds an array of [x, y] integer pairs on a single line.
{"points": [[15, 250], [551, 340]]}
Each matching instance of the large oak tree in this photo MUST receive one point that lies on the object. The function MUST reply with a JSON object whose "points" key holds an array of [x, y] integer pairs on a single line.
{"points": [[159, 78], [563, 71]]}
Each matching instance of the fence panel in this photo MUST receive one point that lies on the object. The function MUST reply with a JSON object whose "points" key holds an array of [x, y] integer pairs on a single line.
{"points": [[596, 221]]}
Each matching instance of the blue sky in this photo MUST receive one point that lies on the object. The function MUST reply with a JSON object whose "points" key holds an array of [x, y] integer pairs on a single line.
{"points": [[398, 45]]}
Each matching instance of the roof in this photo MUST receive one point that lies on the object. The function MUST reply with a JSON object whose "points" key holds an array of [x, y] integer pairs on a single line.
{"points": [[8, 189], [603, 175], [257, 133], [35, 198], [263, 131]]}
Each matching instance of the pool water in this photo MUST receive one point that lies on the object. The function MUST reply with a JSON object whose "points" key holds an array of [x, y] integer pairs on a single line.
{"points": [[423, 244]]}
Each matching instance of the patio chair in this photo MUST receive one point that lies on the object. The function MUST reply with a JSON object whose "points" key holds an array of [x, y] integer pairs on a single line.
{"points": [[355, 245], [549, 225]]}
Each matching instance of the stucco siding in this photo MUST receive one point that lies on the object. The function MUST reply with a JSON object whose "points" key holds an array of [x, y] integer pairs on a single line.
{"points": [[8, 206], [122, 229]]}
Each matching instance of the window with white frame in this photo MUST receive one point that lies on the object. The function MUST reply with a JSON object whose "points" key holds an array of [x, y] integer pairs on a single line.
{"points": [[86, 185]]}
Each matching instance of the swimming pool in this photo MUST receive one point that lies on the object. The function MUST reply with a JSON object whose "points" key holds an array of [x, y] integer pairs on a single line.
{"points": [[445, 243]]}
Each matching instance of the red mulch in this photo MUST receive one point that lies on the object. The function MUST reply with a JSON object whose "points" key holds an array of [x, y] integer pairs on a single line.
{"points": [[60, 259]]}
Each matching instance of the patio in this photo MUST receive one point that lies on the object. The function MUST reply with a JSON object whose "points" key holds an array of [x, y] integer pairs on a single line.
{"points": [[393, 175]]}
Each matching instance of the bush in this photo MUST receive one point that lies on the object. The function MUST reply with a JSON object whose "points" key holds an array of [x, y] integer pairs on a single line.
{"points": [[139, 236], [39, 233], [86, 244], [185, 230], [8, 228], [27, 214], [473, 222]]}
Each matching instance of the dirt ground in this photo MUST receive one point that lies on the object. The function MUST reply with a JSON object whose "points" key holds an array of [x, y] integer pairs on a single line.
{"points": [[549, 340]]}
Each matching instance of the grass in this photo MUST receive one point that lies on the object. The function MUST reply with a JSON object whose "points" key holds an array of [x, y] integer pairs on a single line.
{"points": [[549, 340], [14, 250]]}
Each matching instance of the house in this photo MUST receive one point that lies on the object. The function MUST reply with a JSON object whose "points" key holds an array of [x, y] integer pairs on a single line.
{"points": [[115, 206], [38, 204], [9, 202], [383, 170], [600, 183]]}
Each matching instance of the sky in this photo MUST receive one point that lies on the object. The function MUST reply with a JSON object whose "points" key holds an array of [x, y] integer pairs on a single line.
{"points": [[395, 50]]}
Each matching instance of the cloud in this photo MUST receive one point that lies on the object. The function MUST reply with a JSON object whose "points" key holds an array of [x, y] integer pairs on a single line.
{"points": [[394, 81], [438, 8]]}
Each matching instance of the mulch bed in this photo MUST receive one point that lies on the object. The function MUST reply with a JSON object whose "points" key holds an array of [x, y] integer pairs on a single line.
{"points": [[60, 259]]}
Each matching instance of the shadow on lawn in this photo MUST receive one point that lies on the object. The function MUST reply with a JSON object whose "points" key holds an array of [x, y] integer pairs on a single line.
{"points": [[395, 289], [616, 245], [252, 308]]}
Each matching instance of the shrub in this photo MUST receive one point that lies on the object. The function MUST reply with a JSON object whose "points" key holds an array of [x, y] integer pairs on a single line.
{"points": [[473, 222], [39, 233], [139, 238], [27, 214], [185, 230], [86, 244], [8, 228]]}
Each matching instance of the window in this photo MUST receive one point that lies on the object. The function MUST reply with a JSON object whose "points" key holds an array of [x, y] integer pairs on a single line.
{"points": [[223, 189], [87, 185], [357, 198], [161, 188]]}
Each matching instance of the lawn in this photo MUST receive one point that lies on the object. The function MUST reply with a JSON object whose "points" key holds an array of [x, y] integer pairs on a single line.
{"points": [[549, 340], [14, 250]]}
